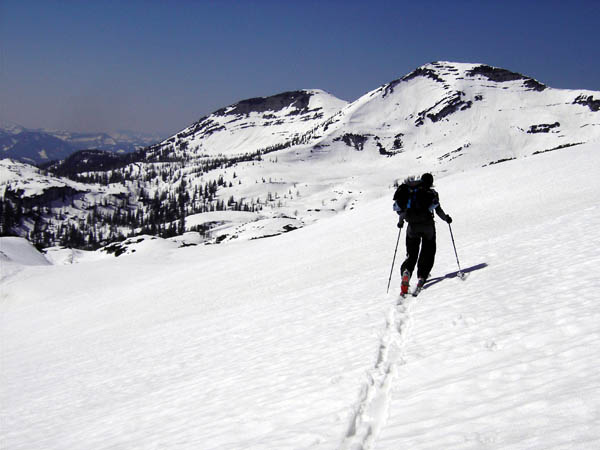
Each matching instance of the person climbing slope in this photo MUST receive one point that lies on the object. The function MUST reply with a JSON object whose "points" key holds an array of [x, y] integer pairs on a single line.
{"points": [[414, 201]]}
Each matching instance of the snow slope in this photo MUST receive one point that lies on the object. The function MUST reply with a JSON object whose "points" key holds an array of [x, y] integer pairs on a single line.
{"points": [[30, 181], [291, 342], [20, 251], [252, 125]]}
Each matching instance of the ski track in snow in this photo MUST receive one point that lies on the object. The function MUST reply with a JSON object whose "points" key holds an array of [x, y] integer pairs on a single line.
{"points": [[372, 409]]}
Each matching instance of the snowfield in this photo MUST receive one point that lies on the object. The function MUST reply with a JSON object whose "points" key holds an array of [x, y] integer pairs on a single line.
{"points": [[291, 342]]}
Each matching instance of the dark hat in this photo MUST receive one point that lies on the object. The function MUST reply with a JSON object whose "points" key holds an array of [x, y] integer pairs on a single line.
{"points": [[427, 179]]}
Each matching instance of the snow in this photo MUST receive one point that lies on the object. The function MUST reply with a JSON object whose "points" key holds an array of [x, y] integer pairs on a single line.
{"points": [[20, 251], [16, 253], [32, 181], [63, 256], [291, 342], [233, 134], [221, 216]]}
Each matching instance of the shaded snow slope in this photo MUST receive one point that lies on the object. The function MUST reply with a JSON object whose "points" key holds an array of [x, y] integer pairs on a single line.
{"points": [[291, 342], [15, 254], [20, 251]]}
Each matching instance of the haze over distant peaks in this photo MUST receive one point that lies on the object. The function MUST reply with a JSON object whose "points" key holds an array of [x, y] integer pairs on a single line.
{"points": [[36, 146]]}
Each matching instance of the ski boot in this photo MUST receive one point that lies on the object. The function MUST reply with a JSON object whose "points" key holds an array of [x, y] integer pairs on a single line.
{"points": [[420, 285], [405, 283]]}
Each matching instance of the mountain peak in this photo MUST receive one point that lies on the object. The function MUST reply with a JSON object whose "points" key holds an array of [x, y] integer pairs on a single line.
{"points": [[274, 103], [232, 130], [445, 71], [298, 101]]}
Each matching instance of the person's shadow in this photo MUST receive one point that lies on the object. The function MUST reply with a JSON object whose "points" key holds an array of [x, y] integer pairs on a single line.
{"points": [[436, 280]]}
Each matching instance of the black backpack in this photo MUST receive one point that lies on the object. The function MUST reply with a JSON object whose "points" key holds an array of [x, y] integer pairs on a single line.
{"points": [[415, 200]]}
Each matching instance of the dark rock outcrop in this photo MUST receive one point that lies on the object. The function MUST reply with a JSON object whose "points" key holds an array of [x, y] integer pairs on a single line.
{"points": [[589, 101], [297, 99], [542, 127], [502, 75], [353, 140], [420, 72], [452, 103]]}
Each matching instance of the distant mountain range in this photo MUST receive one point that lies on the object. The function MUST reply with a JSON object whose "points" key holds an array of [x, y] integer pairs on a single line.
{"points": [[296, 157], [37, 146]]}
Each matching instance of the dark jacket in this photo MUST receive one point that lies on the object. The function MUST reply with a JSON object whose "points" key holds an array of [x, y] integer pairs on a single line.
{"points": [[429, 201]]}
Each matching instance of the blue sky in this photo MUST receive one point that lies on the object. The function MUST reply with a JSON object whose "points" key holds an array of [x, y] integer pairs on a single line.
{"points": [[157, 66]]}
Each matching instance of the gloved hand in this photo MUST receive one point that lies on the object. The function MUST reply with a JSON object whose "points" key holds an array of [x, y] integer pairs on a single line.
{"points": [[448, 219], [400, 224]]}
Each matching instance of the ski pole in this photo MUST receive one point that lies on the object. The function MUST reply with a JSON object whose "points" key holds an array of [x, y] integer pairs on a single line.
{"points": [[393, 261], [460, 272]]}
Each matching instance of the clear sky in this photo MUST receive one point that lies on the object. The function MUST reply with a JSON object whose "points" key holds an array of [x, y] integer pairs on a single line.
{"points": [[157, 66]]}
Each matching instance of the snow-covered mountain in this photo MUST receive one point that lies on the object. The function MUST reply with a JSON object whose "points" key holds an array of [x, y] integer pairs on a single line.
{"points": [[296, 157], [444, 111], [252, 125]]}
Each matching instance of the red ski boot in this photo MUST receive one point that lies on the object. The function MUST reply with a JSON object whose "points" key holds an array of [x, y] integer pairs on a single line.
{"points": [[405, 283]]}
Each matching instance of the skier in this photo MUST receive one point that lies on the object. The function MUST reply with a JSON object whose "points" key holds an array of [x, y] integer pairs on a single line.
{"points": [[414, 201]]}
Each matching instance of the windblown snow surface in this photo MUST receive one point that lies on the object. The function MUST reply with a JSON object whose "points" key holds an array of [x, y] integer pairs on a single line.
{"points": [[291, 342]]}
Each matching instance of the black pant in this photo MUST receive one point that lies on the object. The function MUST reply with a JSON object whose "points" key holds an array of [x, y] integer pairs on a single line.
{"points": [[420, 236]]}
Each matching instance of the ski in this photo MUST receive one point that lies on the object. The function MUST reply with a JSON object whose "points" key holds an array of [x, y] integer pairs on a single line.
{"points": [[417, 291]]}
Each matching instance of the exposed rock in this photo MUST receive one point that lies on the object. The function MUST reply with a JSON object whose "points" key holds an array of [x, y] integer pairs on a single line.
{"points": [[534, 85], [502, 75], [452, 155], [398, 144], [297, 99], [542, 127], [558, 148], [117, 248], [353, 140], [423, 72], [452, 103], [588, 101], [420, 72], [498, 161], [495, 74]]}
